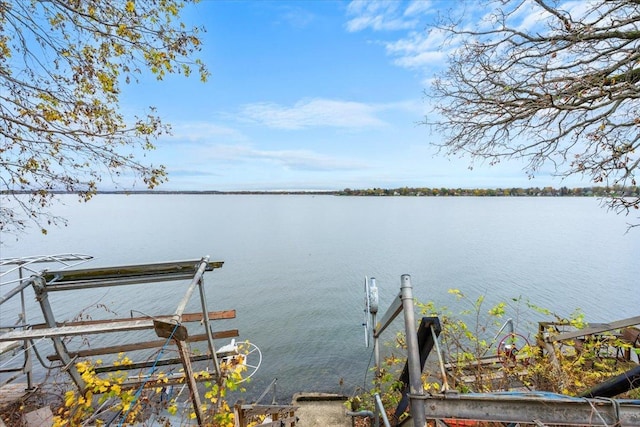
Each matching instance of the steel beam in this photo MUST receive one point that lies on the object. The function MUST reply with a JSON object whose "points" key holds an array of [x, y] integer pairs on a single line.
{"points": [[202, 267], [602, 327], [232, 333], [65, 280], [89, 327], [392, 312], [544, 408]]}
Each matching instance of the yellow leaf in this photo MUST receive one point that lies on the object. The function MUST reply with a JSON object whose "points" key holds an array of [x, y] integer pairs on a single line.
{"points": [[130, 7], [69, 399], [456, 292]]}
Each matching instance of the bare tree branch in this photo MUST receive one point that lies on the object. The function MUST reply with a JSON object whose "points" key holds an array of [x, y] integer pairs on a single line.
{"points": [[563, 91]]}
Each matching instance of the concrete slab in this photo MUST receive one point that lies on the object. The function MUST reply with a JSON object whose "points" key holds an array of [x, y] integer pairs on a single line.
{"points": [[321, 410], [42, 417]]}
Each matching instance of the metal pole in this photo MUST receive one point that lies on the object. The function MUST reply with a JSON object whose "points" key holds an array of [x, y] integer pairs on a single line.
{"points": [[385, 420], [28, 366], [192, 286], [207, 325], [266, 391], [15, 291], [376, 349], [40, 289], [394, 309], [443, 372], [418, 413], [184, 353]]}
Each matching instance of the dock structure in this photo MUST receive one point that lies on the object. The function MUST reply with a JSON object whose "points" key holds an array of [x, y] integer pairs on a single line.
{"points": [[178, 330], [597, 406]]}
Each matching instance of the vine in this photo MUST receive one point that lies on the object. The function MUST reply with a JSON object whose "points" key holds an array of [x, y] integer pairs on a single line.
{"points": [[88, 406], [477, 360]]}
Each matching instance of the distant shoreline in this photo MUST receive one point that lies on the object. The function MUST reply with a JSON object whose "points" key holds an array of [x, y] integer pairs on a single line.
{"points": [[615, 191]]}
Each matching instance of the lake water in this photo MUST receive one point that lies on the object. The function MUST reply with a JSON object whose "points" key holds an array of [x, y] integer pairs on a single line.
{"points": [[295, 265]]}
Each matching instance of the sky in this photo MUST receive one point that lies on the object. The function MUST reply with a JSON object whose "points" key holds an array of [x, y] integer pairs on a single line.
{"points": [[311, 95]]}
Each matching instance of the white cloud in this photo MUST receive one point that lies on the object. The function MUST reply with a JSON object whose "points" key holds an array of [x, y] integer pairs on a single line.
{"points": [[420, 50], [313, 113], [378, 23], [290, 159], [420, 61], [377, 15], [419, 7], [308, 160], [368, 7], [580, 9]]}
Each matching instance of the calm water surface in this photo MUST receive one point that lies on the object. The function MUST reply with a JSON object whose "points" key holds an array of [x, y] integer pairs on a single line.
{"points": [[294, 265]]}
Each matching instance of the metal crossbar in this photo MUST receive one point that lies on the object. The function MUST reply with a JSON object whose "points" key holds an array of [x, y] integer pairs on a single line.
{"points": [[169, 327], [530, 408]]}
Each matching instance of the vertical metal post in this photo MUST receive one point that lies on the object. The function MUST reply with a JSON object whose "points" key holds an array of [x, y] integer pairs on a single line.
{"points": [[205, 312], [418, 413], [28, 366], [275, 385], [376, 348], [443, 372], [40, 289]]}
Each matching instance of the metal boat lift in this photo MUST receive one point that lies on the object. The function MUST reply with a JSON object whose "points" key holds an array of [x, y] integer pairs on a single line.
{"points": [[510, 408], [170, 327]]}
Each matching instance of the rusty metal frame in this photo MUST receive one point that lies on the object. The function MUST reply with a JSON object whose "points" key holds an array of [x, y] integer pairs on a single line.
{"points": [[170, 327]]}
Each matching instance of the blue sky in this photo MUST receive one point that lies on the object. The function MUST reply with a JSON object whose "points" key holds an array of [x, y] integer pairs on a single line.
{"points": [[310, 95]]}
